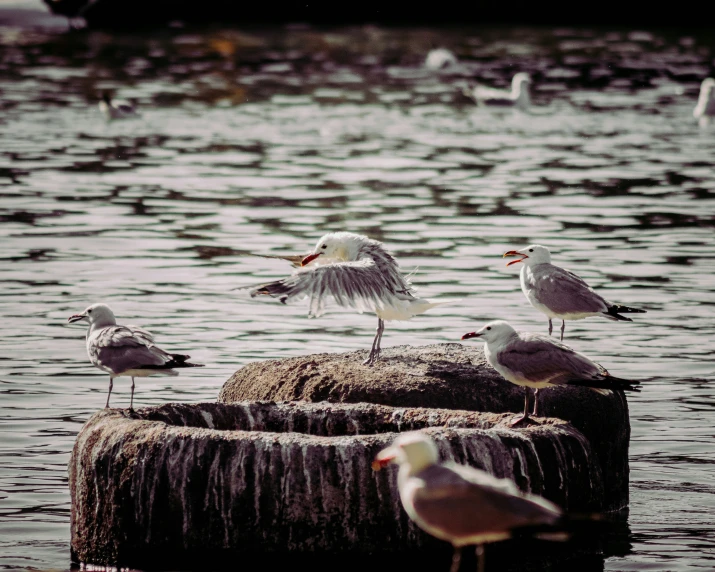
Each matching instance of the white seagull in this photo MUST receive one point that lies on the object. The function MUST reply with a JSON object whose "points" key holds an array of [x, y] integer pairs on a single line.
{"points": [[559, 293], [116, 109], [518, 96], [440, 58], [705, 109], [535, 360], [460, 504], [357, 272], [127, 351]]}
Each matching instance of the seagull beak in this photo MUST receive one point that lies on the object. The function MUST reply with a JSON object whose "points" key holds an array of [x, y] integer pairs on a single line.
{"points": [[515, 253], [76, 318], [308, 259], [384, 458], [471, 335]]}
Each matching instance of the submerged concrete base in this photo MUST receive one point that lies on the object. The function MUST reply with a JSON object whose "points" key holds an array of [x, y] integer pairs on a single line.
{"points": [[449, 376], [180, 486]]}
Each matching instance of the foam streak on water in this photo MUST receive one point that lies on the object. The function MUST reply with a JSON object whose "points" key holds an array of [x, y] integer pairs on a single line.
{"points": [[265, 140]]}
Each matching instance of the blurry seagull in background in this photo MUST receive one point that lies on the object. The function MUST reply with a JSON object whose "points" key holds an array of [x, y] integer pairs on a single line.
{"points": [[357, 272], [116, 109], [518, 96], [559, 293], [127, 351], [705, 109], [439, 59], [464, 505], [537, 361]]}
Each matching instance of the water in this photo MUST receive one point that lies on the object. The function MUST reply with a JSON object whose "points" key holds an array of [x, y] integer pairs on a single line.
{"points": [[264, 140]]}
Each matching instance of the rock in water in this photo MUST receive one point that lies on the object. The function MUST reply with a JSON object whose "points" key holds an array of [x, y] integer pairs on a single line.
{"points": [[448, 376], [203, 486]]}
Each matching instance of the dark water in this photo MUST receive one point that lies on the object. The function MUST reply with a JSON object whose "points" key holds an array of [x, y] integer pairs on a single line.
{"points": [[265, 140]]}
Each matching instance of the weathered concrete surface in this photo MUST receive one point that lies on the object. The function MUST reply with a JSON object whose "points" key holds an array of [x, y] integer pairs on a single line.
{"points": [[449, 376], [204, 485]]}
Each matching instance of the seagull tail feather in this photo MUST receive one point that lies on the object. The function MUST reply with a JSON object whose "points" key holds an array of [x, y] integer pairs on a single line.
{"points": [[421, 305], [614, 312], [606, 384]]}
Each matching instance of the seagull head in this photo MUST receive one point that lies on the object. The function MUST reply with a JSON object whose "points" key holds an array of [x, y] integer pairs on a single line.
{"points": [[531, 255], [492, 332], [337, 246], [520, 81], [707, 88], [414, 449], [96, 314]]}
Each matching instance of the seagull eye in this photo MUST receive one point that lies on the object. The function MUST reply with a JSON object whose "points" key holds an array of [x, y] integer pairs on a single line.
{"points": [[531, 250], [324, 246], [489, 328], [89, 311]]}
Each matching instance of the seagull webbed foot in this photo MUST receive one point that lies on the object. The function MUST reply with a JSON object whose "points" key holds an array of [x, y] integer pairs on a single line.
{"points": [[522, 421]]}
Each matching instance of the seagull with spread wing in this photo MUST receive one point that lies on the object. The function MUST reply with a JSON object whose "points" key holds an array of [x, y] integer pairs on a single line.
{"points": [[561, 294], [464, 505], [127, 351], [537, 361], [357, 272]]}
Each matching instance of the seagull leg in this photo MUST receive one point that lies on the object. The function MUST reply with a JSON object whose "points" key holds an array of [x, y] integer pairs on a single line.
{"points": [[456, 559], [375, 351], [536, 402], [131, 401], [551, 327], [563, 327], [524, 419], [111, 384], [480, 558]]}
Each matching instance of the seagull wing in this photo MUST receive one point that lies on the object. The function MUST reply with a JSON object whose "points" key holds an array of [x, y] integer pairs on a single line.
{"points": [[540, 359], [564, 292], [458, 502], [360, 285], [121, 348]]}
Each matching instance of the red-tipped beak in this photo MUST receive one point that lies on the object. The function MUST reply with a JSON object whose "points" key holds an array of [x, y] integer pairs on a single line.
{"points": [[383, 459], [470, 335], [515, 253], [75, 318], [308, 259]]}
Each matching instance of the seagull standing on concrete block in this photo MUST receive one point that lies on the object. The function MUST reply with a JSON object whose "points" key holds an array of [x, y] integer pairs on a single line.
{"points": [[356, 272], [461, 504], [127, 351], [534, 360]]}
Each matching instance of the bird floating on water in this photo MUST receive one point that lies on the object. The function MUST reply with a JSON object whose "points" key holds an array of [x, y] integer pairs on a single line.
{"points": [[357, 272], [538, 361], [116, 108], [125, 351], [705, 109], [561, 294], [518, 96], [464, 505], [440, 58]]}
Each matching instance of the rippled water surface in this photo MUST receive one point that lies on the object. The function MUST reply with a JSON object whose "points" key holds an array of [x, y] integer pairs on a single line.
{"points": [[264, 140]]}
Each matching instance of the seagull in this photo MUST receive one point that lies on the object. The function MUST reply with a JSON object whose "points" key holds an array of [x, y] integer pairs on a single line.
{"points": [[115, 108], [127, 351], [705, 109], [440, 58], [559, 293], [518, 96], [357, 272], [535, 360], [460, 504]]}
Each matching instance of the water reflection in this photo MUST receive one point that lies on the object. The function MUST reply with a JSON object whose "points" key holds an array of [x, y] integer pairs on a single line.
{"points": [[263, 141]]}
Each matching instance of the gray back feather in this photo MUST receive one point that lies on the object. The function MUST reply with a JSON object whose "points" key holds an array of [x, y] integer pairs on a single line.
{"points": [[564, 292]]}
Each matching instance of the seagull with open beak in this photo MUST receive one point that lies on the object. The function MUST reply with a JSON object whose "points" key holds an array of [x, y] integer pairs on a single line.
{"points": [[460, 504], [560, 294], [356, 272]]}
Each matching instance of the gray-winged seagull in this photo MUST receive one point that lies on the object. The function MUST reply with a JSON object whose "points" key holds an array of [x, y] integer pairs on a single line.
{"points": [[518, 96], [561, 294], [127, 351], [461, 504], [705, 108], [357, 272], [535, 360]]}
